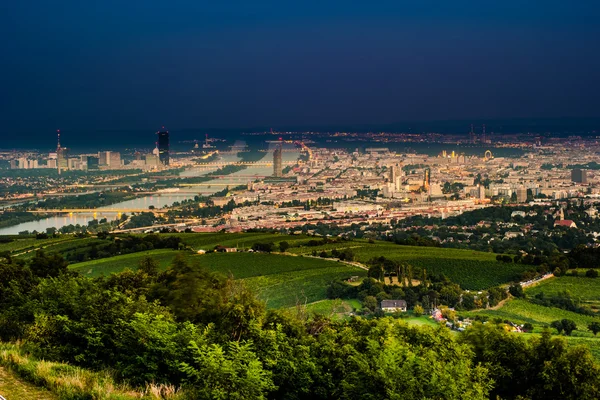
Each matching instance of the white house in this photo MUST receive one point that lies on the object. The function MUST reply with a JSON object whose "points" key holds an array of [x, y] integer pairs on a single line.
{"points": [[393, 305]]}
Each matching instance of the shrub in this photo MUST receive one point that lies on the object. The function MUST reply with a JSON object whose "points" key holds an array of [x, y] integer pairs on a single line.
{"points": [[418, 310], [591, 273]]}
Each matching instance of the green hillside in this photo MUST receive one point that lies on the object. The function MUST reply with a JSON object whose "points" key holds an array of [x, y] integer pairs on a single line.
{"points": [[586, 290], [472, 270], [280, 280]]}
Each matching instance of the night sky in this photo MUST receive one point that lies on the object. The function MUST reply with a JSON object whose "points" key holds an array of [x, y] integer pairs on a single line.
{"points": [[103, 65]]}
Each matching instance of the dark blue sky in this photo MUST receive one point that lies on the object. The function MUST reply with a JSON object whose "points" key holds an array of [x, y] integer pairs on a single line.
{"points": [[198, 64]]}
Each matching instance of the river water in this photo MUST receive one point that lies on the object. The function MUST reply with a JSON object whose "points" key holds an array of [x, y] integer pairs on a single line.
{"points": [[162, 200]]}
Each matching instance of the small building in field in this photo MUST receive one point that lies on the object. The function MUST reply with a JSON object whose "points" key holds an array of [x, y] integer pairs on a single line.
{"points": [[393, 305]]}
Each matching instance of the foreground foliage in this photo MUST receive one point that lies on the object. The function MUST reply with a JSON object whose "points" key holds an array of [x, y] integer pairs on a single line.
{"points": [[194, 329]]}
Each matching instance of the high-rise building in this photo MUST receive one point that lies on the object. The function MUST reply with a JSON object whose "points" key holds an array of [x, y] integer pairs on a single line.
{"points": [[163, 147], [481, 191], [62, 155], [103, 158], [152, 161], [394, 171], [114, 160], [579, 175], [74, 163], [88, 162], [62, 159], [277, 171], [521, 195], [23, 164], [427, 179]]}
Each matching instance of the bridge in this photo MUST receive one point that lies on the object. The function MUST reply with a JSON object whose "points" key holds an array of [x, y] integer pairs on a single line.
{"points": [[98, 211], [243, 163]]}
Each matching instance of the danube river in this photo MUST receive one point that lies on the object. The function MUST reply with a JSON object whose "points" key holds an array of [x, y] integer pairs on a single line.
{"points": [[158, 201]]}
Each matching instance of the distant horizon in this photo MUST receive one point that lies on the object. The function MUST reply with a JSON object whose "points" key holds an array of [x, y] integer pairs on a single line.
{"points": [[143, 137]]}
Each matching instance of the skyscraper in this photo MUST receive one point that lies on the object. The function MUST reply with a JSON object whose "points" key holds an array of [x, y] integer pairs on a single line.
{"points": [[426, 179], [277, 172], [62, 156], [163, 147], [579, 175]]}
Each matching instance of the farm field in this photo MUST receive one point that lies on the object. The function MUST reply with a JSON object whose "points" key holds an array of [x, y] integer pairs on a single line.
{"points": [[280, 280], [521, 311], [65, 246], [472, 270], [107, 266], [20, 245], [593, 344], [208, 241], [585, 289]]}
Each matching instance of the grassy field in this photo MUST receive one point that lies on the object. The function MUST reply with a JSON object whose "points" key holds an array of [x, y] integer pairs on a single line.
{"points": [[472, 270], [280, 280], [336, 309], [422, 320], [12, 387]]}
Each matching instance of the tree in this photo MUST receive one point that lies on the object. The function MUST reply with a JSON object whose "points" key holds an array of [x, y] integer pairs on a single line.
{"points": [[45, 266], [516, 290], [557, 325], [568, 326], [264, 247], [230, 372], [468, 301], [370, 302], [448, 313], [591, 273], [594, 327], [149, 266], [418, 310], [283, 246]]}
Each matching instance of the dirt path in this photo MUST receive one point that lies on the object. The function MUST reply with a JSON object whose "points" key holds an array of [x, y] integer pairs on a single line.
{"points": [[497, 306], [13, 388], [352, 263]]}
